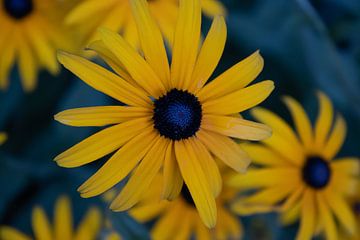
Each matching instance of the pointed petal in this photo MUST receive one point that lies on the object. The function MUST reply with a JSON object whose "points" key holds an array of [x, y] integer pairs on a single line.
{"points": [[89, 227], [186, 43], [225, 149], [336, 138], [323, 121], [236, 127], [240, 100], [41, 225], [210, 54], [63, 225], [263, 155], [326, 218], [197, 183], [348, 166], [308, 217], [233, 79]]}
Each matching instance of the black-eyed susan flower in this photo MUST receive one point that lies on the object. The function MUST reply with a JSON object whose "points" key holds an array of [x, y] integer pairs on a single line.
{"points": [[3, 137], [116, 15], [31, 32], [62, 228], [298, 174], [179, 219], [171, 119]]}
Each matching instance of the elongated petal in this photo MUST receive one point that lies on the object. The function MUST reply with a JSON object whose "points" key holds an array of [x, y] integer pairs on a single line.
{"points": [[336, 138], [208, 165], [41, 225], [173, 180], [301, 120], [236, 127], [197, 183], [6, 62], [101, 143], [165, 227], [210, 54], [9, 233], [63, 225], [3, 137], [149, 211], [341, 210], [326, 218], [270, 196], [294, 198], [142, 177], [151, 40], [348, 166], [268, 177], [230, 226], [186, 43], [290, 216], [263, 155], [89, 227], [213, 7], [308, 216], [225, 149], [104, 80], [323, 121], [100, 116], [119, 165], [134, 63], [240, 100], [233, 79]]}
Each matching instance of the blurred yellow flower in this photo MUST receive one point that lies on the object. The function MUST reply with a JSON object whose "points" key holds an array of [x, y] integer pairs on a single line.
{"points": [[116, 15], [3, 137], [31, 32], [172, 119], [179, 219], [88, 229], [298, 175]]}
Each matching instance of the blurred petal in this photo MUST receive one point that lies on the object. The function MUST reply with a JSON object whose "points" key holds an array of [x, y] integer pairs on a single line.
{"points": [[9, 233], [41, 225], [323, 121], [63, 225], [308, 217], [326, 218], [90, 226], [336, 138]]}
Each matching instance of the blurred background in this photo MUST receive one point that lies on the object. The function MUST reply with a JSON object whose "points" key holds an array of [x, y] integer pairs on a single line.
{"points": [[307, 46]]}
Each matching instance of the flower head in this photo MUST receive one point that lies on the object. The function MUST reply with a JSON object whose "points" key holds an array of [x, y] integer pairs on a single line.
{"points": [[31, 32], [167, 214], [298, 174], [116, 15], [89, 227], [171, 119], [3, 137]]}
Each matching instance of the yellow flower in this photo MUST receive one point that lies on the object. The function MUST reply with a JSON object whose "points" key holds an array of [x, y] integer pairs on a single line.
{"points": [[171, 118], [299, 172], [3, 137], [88, 229], [31, 31], [179, 219], [116, 15]]}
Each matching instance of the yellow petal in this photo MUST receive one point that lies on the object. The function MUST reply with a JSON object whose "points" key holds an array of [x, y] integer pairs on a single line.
{"points": [[151, 40], [240, 100], [210, 54], [326, 218], [341, 209], [3, 137], [173, 180], [63, 225], [101, 143], [104, 80], [9, 233], [270, 196], [225, 149], [230, 225], [236, 127], [242, 208], [266, 177], [165, 227], [100, 116], [281, 133], [336, 138], [142, 177], [6, 62], [343, 183], [301, 120], [323, 121], [308, 216], [213, 7], [293, 199], [89, 227], [186, 43], [233, 79], [148, 212], [208, 165], [201, 232], [348, 166], [134, 63], [290, 216], [119, 165], [263, 155], [41, 225], [197, 183]]}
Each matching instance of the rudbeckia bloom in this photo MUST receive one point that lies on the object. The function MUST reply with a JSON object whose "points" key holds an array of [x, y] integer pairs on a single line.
{"points": [[3, 137], [116, 15], [298, 174], [62, 229], [179, 219], [31, 31], [171, 118]]}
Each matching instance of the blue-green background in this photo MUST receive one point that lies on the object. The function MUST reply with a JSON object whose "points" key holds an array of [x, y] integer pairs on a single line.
{"points": [[307, 46]]}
